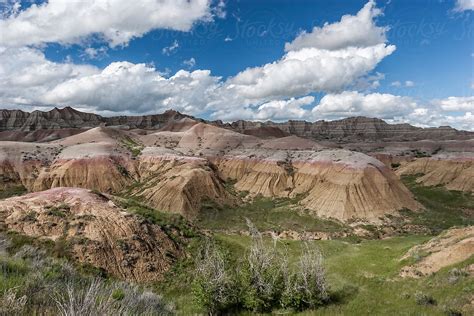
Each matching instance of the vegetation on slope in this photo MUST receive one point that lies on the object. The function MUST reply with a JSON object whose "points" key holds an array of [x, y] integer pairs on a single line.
{"points": [[12, 191], [33, 282], [267, 214], [443, 208]]}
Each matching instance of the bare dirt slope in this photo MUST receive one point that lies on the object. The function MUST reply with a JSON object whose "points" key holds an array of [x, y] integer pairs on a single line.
{"points": [[453, 246], [455, 171], [99, 232], [176, 183], [338, 184]]}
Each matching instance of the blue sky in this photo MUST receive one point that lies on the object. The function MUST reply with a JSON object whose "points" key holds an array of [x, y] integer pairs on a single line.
{"points": [[428, 76]]}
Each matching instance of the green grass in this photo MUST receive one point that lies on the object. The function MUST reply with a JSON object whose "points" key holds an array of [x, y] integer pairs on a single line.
{"points": [[12, 191], [266, 214], [363, 278], [443, 208], [29, 271], [132, 146], [174, 225]]}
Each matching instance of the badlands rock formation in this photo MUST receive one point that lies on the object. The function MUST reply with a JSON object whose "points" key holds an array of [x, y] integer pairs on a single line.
{"points": [[100, 159], [353, 129], [175, 162], [346, 130], [454, 171], [453, 246], [332, 183], [185, 164], [176, 183], [71, 118], [98, 232]]}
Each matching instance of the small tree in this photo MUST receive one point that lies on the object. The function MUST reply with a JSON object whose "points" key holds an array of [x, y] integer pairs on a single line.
{"points": [[214, 287]]}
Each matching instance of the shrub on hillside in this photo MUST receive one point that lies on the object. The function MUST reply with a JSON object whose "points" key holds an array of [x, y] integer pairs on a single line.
{"points": [[423, 299], [264, 280], [214, 286], [34, 283], [97, 297]]}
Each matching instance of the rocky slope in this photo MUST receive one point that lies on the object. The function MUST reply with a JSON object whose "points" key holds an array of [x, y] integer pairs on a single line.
{"points": [[71, 118], [454, 171], [453, 246], [353, 129], [98, 232], [100, 159], [346, 130], [184, 165], [335, 184], [176, 183]]}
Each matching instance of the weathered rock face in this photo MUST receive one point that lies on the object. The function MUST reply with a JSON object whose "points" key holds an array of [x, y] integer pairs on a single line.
{"points": [[105, 174], [207, 137], [71, 118], [346, 130], [54, 119], [155, 121], [20, 163], [338, 183], [100, 233], [453, 246], [334, 183], [353, 129], [12, 119], [96, 160], [455, 172], [178, 184]]}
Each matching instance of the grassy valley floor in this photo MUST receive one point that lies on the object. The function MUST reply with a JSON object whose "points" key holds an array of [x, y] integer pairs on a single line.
{"points": [[363, 274]]}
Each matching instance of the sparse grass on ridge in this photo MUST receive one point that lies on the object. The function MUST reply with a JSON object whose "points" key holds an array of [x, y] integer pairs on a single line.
{"points": [[443, 208], [12, 191]]}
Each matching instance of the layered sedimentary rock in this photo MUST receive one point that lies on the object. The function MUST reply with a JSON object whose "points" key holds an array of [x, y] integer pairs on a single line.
{"points": [[95, 159], [103, 173], [99, 233], [345, 130], [353, 129], [333, 183], [207, 137], [178, 184], [452, 246], [455, 171], [71, 118], [347, 185], [21, 163]]}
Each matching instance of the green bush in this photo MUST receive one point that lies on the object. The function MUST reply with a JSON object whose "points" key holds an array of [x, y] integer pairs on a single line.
{"points": [[423, 299], [306, 288], [263, 282], [214, 286], [263, 274]]}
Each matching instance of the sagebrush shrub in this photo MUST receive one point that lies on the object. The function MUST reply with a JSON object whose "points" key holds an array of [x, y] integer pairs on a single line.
{"points": [[214, 287], [263, 280], [306, 287]]}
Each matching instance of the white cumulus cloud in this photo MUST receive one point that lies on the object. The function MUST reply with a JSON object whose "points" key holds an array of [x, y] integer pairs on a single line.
{"points": [[353, 103], [115, 21], [455, 104], [357, 30], [140, 88]]}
